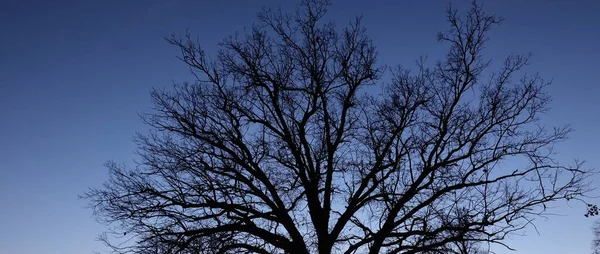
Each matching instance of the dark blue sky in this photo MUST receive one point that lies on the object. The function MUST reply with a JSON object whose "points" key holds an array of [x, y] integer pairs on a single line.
{"points": [[74, 74]]}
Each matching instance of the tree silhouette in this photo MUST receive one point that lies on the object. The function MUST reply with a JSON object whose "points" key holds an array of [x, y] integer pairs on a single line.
{"points": [[291, 141]]}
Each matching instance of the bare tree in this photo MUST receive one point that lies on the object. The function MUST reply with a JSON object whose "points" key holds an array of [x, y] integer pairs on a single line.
{"points": [[290, 141]]}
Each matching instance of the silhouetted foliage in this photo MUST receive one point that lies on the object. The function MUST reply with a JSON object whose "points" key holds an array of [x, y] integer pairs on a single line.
{"points": [[291, 141], [592, 210]]}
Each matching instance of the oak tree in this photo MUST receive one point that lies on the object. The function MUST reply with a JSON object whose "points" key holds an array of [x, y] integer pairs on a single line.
{"points": [[292, 139]]}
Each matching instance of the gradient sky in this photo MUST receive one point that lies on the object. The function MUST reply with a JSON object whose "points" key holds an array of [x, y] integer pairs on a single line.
{"points": [[75, 74]]}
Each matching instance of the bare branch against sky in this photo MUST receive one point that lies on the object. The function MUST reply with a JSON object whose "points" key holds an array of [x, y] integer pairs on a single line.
{"points": [[293, 139]]}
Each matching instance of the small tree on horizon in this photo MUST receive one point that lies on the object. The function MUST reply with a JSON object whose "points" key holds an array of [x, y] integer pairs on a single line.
{"points": [[290, 140]]}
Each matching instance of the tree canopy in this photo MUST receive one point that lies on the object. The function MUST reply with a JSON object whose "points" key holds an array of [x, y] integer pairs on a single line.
{"points": [[291, 139]]}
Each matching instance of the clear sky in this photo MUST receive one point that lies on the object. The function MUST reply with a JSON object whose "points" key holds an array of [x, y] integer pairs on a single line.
{"points": [[75, 74]]}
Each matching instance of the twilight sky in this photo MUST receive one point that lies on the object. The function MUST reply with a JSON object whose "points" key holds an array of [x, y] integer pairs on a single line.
{"points": [[75, 74]]}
